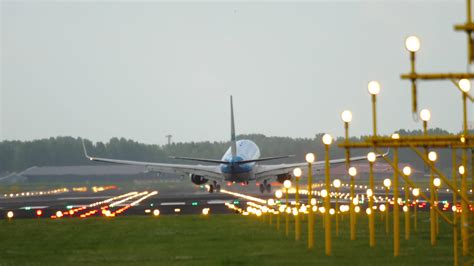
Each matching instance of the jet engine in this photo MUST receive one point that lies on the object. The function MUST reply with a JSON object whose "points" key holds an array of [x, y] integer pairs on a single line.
{"points": [[281, 178], [198, 179]]}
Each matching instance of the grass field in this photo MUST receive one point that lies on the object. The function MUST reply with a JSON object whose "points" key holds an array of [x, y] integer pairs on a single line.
{"points": [[197, 240]]}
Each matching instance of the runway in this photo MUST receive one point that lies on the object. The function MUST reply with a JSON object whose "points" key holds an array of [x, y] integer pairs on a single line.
{"points": [[117, 202]]}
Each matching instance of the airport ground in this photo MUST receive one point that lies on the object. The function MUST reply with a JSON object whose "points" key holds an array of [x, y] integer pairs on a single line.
{"points": [[181, 235], [205, 240]]}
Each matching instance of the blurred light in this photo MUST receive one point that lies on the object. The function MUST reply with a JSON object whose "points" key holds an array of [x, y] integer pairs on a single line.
{"points": [[432, 156], [205, 211], [437, 182], [461, 169], [465, 85], [370, 193], [357, 209], [382, 207], [336, 183], [310, 157], [39, 212], [156, 212], [373, 87], [332, 211], [412, 43], [59, 214], [355, 201], [368, 211], [407, 170], [324, 193], [287, 184], [297, 172], [416, 192], [425, 115], [278, 194], [10, 214], [371, 157], [395, 136], [313, 201], [346, 116], [405, 208], [387, 182], [352, 171], [271, 202], [327, 139]]}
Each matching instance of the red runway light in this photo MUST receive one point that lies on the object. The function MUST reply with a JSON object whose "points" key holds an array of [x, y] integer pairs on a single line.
{"points": [[39, 212]]}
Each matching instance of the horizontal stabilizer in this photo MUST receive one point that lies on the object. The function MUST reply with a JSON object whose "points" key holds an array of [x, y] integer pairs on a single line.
{"points": [[200, 160], [264, 159]]}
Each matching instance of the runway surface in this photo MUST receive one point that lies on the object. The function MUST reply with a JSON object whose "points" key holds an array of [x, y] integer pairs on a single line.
{"points": [[118, 202]]}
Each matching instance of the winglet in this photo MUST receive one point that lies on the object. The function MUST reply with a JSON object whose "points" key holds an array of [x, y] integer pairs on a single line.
{"points": [[85, 150]]}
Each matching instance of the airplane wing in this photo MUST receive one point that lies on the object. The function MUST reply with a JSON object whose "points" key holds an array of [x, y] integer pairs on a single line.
{"points": [[208, 171], [269, 171]]}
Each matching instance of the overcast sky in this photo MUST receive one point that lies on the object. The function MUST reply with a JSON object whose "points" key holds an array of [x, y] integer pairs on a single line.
{"points": [[145, 70]]}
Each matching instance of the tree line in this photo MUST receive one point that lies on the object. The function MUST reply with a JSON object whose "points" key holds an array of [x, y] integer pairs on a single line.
{"points": [[16, 156]]}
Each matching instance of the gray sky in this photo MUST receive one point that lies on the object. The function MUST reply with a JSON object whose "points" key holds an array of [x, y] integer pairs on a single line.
{"points": [[144, 70]]}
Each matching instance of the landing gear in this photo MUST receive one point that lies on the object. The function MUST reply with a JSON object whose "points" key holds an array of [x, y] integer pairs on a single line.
{"points": [[269, 188], [265, 187], [214, 187]]}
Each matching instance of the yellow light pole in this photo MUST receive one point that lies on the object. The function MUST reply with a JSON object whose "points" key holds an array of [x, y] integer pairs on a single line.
{"points": [[407, 173], [278, 195], [413, 44], [271, 203], [396, 207], [354, 201], [465, 86], [297, 173], [387, 183], [346, 117], [416, 193], [371, 158], [437, 184], [287, 185], [337, 184], [425, 116], [310, 159], [327, 140]]}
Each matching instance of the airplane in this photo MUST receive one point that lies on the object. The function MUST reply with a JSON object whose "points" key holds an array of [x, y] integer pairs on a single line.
{"points": [[239, 164]]}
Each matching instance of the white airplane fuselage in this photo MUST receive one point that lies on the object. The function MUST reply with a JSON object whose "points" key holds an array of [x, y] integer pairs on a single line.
{"points": [[233, 172]]}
